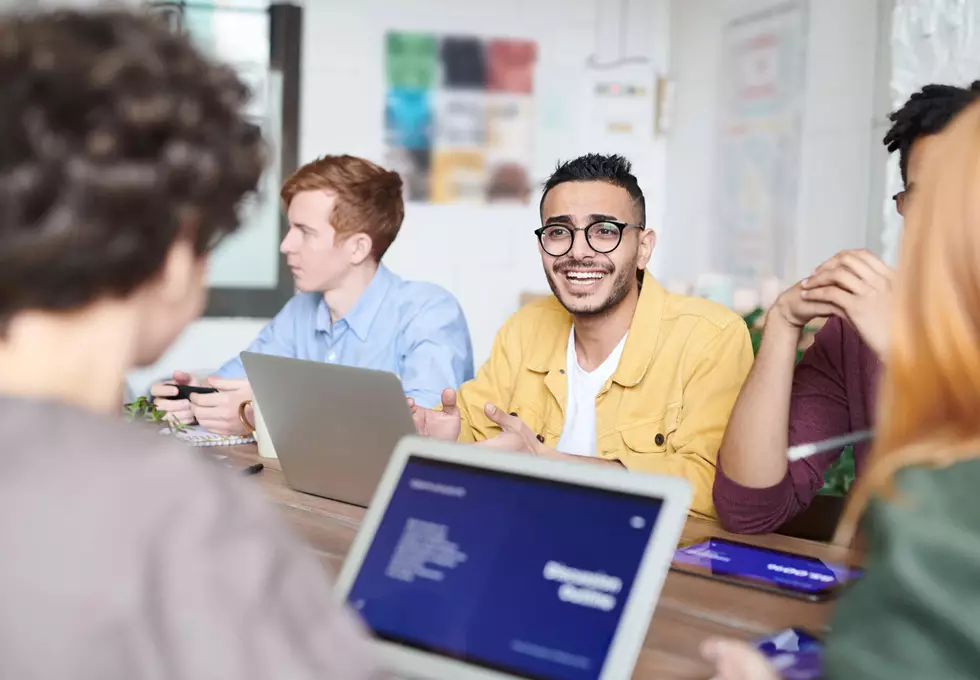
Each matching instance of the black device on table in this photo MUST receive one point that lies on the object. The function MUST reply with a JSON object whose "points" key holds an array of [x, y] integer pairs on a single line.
{"points": [[253, 469], [185, 391], [751, 566]]}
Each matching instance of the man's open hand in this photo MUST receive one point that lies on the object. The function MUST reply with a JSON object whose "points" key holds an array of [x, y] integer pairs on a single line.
{"points": [[514, 435], [444, 424]]}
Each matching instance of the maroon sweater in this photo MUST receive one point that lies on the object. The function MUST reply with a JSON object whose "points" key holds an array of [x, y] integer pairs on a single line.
{"points": [[834, 389]]}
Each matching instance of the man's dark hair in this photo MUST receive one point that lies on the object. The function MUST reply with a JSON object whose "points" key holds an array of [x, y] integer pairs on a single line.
{"points": [[926, 112], [117, 137], [595, 167]]}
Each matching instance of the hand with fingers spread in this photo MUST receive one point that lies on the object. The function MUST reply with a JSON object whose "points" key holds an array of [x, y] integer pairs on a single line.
{"points": [[737, 660], [514, 435], [442, 424], [859, 286], [218, 411], [177, 410]]}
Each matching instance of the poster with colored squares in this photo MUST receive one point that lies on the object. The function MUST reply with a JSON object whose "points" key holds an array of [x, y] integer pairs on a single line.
{"points": [[459, 117], [759, 145]]}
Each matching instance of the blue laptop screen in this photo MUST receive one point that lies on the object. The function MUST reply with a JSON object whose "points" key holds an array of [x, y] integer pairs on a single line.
{"points": [[508, 572]]}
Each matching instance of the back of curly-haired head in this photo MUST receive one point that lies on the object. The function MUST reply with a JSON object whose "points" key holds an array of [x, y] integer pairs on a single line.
{"points": [[118, 138], [927, 112]]}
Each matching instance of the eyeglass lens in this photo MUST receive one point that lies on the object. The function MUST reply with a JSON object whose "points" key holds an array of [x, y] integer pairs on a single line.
{"points": [[602, 237]]}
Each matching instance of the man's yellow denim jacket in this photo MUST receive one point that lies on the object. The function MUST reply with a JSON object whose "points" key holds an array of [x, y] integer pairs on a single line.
{"points": [[664, 410]]}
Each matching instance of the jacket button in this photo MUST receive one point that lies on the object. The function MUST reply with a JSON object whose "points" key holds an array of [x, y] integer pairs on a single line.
{"points": [[659, 440]]}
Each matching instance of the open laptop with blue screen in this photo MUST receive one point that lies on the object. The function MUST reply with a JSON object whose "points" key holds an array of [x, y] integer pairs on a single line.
{"points": [[472, 563]]}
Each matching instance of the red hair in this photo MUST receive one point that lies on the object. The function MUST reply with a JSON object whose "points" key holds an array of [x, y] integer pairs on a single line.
{"points": [[929, 412], [369, 198]]}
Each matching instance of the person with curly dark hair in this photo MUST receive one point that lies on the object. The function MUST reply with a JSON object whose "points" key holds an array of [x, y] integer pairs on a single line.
{"points": [[833, 390], [125, 154]]}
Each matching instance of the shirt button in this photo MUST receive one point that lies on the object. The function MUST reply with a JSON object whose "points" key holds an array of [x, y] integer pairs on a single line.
{"points": [[659, 440], [332, 357]]}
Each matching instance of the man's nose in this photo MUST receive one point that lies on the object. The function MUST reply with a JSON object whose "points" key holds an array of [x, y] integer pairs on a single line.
{"points": [[580, 246], [286, 246]]}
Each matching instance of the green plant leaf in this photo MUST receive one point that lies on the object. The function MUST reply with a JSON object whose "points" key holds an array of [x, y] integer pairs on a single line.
{"points": [[144, 409], [840, 475]]}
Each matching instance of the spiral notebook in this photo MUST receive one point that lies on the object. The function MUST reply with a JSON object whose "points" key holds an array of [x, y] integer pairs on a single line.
{"points": [[195, 435]]}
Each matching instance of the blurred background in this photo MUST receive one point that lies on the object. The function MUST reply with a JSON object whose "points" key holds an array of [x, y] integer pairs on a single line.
{"points": [[754, 127]]}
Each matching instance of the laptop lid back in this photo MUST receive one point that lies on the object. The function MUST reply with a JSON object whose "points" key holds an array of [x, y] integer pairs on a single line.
{"points": [[333, 427]]}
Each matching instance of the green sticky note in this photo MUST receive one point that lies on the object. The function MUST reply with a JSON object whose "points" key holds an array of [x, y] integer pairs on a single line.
{"points": [[412, 60]]}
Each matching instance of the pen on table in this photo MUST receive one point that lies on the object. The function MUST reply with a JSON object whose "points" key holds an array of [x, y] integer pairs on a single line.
{"points": [[801, 451], [253, 469]]}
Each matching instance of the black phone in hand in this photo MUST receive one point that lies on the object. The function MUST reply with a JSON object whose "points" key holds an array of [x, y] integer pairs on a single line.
{"points": [[185, 391]]}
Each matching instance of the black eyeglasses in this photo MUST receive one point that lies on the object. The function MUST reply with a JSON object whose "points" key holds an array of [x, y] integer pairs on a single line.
{"points": [[603, 237]]}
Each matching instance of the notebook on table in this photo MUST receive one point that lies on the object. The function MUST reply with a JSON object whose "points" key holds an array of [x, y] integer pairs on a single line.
{"points": [[473, 564], [195, 435]]}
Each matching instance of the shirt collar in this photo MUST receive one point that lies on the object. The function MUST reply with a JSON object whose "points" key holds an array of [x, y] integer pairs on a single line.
{"points": [[641, 340], [641, 343], [362, 315]]}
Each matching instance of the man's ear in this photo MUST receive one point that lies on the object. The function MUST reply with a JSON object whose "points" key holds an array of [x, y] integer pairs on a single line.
{"points": [[359, 246], [648, 241]]}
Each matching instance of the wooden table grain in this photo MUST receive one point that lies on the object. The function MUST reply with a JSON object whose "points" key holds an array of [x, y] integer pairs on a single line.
{"points": [[690, 609]]}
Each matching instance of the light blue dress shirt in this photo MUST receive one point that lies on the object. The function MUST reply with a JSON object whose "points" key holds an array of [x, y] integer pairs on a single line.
{"points": [[415, 330]]}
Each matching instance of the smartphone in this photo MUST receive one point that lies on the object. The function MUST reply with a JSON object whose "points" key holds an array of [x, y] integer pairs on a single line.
{"points": [[185, 391], [794, 653], [775, 571]]}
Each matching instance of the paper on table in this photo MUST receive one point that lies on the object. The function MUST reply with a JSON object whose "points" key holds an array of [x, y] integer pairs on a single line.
{"points": [[195, 435]]}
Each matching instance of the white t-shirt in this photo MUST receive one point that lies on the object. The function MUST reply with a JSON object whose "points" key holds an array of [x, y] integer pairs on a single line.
{"points": [[578, 435]]}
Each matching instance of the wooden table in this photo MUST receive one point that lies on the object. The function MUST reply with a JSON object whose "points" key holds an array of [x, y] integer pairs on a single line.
{"points": [[690, 609]]}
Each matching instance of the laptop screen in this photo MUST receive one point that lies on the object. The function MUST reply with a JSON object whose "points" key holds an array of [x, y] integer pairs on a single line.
{"points": [[513, 573]]}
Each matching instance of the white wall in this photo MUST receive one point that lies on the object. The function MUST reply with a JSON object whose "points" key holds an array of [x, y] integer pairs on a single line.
{"points": [[838, 141], [486, 256], [838, 124], [881, 209], [931, 41]]}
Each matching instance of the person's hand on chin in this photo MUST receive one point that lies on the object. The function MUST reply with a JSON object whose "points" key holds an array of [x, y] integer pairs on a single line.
{"points": [[859, 285]]}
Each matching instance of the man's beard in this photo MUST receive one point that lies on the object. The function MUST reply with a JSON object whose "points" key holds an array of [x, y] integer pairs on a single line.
{"points": [[622, 283]]}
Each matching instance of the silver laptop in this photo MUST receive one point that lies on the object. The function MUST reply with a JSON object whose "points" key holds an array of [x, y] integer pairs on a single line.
{"points": [[333, 427], [476, 564]]}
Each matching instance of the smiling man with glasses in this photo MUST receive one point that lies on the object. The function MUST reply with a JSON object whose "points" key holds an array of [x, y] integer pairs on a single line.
{"points": [[613, 369]]}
